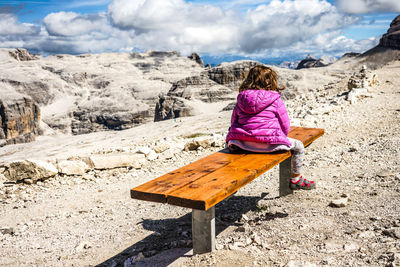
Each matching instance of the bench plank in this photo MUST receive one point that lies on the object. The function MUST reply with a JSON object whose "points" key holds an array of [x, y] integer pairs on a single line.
{"points": [[214, 187], [204, 183], [158, 189]]}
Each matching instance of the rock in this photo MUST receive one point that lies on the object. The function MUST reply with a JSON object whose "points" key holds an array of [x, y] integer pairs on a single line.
{"points": [[144, 150], [82, 246], [94, 92], [72, 167], [19, 117], [152, 155], [29, 169], [197, 58], [197, 143], [161, 147], [392, 37], [394, 233], [231, 74], [7, 230], [230, 106], [170, 107], [312, 62], [339, 203], [131, 261], [294, 263], [350, 247], [21, 54], [111, 161]]}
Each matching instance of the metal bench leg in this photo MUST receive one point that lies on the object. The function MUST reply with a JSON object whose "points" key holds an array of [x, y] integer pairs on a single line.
{"points": [[203, 230], [285, 172]]}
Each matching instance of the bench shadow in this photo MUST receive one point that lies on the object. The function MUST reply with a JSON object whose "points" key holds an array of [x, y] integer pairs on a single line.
{"points": [[176, 234]]}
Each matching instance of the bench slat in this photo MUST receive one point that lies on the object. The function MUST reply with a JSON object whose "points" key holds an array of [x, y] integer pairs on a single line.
{"points": [[214, 187], [158, 189], [205, 182]]}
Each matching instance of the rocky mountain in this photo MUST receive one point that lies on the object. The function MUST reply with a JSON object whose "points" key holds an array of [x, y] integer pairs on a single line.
{"points": [[392, 37], [216, 84], [87, 93], [312, 62]]}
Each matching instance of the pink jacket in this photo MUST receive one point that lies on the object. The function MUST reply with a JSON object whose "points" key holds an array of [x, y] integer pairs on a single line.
{"points": [[259, 116]]}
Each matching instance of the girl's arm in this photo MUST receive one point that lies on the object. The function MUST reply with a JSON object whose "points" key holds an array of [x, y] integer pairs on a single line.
{"points": [[283, 116], [234, 115]]}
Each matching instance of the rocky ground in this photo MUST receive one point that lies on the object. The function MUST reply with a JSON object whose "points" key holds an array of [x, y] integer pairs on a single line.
{"points": [[351, 219]]}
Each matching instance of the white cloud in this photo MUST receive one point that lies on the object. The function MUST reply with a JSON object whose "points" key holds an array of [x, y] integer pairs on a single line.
{"points": [[369, 6], [73, 24], [288, 25], [9, 25], [281, 24]]}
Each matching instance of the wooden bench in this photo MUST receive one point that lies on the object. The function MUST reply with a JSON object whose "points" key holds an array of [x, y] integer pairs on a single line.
{"points": [[202, 184]]}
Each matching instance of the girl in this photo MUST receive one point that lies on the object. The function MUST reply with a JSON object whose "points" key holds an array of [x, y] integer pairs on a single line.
{"points": [[260, 122]]}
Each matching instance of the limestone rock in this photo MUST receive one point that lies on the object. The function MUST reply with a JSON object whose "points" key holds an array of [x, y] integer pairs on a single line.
{"points": [[111, 161], [312, 62], [170, 107], [196, 143], [72, 167], [19, 117], [22, 54], [29, 169], [197, 58], [339, 203], [392, 37], [89, 93], [231, 74]]}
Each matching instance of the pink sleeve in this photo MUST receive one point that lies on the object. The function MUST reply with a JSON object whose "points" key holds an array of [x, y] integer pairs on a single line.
{"points": [[283, 116], [234, 115]]}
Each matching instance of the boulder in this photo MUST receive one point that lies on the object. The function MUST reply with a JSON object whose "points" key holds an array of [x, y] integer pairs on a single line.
{"points": [[111, 161], [392, 37], [29, 169], [19, 117], [72, 167]]}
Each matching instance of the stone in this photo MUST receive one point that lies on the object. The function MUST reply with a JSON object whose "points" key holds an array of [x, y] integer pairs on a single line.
{"points": [[29, 169], [294, 263], [7, 230], [111, 161], [152, 155], [82, 246], [19, 117], [394, 233], [161, 147], [21, 54], [197, 59], [350, 247], [72, 167], [339, 203], [144, 150], [196, 143]]}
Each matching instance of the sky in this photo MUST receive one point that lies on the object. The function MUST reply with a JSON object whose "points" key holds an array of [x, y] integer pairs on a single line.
{"points": [[248, 28]]}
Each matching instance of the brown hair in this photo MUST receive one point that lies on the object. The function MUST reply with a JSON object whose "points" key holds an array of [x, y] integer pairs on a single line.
{"points": [[261, 78]]}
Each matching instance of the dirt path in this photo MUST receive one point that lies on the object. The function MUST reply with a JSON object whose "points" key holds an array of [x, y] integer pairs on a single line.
{"points": [[89, 220]]}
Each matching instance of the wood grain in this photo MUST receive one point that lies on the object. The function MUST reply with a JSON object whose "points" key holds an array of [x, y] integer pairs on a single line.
{"points": [[214, 187], [204, 183], [157, 190]]}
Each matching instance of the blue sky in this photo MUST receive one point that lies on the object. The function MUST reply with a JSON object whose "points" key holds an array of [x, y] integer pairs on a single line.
{"points": [[287, 28]]}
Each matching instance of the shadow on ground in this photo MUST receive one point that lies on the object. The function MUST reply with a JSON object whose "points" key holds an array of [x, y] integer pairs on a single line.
{"points": [[172, 238]]}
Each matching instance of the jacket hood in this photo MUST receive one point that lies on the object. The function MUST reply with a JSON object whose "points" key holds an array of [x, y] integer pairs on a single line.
{"points": [[254, 101]]}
